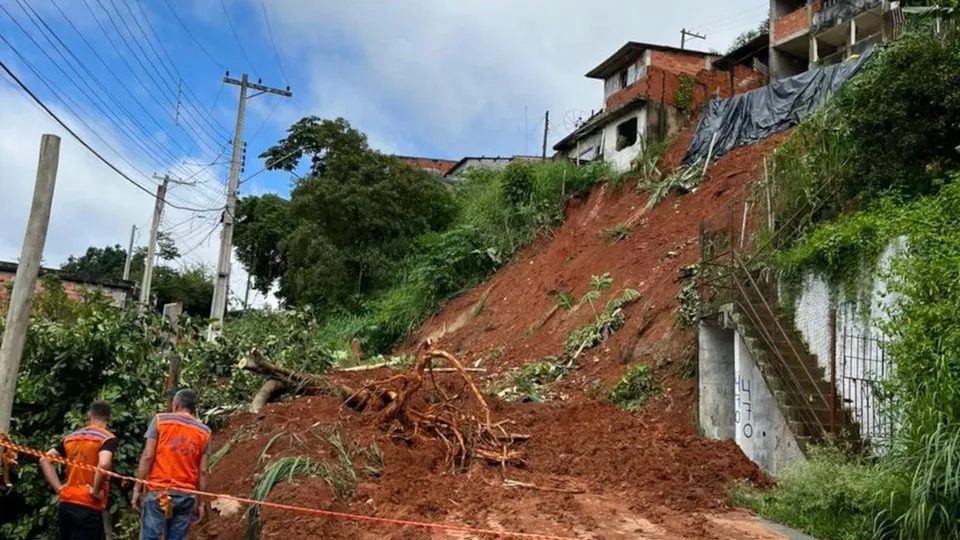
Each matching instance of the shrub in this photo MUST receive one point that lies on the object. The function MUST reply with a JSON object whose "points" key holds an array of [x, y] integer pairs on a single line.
{"points": [[828, 496], [634, 389]]}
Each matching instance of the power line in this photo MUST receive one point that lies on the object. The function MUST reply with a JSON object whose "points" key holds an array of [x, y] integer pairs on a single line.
{"points": [[190, 94], [120, 83], [105, 110], [237, 37], [276, 52], [156, 72], [168, 107], [79, 139], [193, 37]]}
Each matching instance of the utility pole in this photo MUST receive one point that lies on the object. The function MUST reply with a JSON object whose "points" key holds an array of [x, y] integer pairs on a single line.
{"points": [[683, 37], [546, 131], [126, 266], [24, 284], [152, 246], [246, 295], [219, 306]]}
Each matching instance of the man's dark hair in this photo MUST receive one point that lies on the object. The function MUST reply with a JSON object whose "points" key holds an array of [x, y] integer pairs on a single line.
{"points": [[100, 410], [187, 399]]}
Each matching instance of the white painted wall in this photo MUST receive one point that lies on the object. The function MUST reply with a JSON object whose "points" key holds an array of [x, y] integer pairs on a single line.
{"points": [[620, 160], [812, 318], [635, 71], [761, 430]]}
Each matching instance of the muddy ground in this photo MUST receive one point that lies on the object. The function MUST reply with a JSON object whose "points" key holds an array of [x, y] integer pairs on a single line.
{"points": [[591, 470]]}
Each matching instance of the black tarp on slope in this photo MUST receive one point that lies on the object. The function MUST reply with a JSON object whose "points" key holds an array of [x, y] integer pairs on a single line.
{"points": [[758, 114]]}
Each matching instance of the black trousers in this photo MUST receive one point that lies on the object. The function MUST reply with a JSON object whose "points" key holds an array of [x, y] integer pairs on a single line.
{"points": [[77, 522]]}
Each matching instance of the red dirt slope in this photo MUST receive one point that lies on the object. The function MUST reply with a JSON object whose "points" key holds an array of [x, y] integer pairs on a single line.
{"points": [[599, 472]]}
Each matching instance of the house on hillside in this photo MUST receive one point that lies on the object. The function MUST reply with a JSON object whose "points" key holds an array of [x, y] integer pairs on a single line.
{"points": [[805, 34], [645, 89], [483, 162], [437, 166], [117, 290]]}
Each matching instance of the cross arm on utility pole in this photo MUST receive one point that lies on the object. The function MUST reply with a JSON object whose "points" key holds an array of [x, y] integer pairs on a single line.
{"points": [[172, 180], [259, 87]]}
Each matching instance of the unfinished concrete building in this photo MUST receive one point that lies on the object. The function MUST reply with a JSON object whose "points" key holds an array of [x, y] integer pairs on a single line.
{"points": [[805, 34]]}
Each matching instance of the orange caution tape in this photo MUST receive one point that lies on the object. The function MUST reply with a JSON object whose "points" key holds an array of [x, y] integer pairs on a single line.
{"points": [[13, 449], [9, 459]]}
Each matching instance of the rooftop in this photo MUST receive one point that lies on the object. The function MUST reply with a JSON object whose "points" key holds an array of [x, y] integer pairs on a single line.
{"points": [[11, 268], [629, 52], [756, 47]]}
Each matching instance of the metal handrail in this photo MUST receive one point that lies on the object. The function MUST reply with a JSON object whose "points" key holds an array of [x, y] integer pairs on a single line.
{"points": [[776, 320], [783, 369]]}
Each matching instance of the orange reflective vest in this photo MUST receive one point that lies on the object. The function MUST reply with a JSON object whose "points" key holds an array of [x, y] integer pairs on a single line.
{"points": [[181, 443], [84, 446]]}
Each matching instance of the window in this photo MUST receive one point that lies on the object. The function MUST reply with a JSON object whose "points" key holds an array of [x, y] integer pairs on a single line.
{"points": [[627, 134], [624, 79]]}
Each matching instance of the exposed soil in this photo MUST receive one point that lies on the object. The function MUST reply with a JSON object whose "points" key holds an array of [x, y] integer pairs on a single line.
{"points": [[600, 472]]}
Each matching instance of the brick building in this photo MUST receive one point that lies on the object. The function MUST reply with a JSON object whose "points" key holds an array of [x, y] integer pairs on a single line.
{"points": [[118, 291], [642, 86], [805, 34], [438, 166]]}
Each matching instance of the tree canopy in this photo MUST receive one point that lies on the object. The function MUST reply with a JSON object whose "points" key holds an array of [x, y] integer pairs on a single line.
{"points": [[193, 286], [348, 221]]}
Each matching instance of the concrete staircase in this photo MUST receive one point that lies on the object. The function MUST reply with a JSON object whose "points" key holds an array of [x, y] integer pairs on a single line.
{"points": [[801, 387]]}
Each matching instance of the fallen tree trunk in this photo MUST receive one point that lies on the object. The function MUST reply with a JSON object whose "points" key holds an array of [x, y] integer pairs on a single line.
{"points": [[303, 383], [270, 389]]}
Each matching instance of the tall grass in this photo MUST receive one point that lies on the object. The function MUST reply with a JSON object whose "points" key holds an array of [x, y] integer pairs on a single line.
{"points": [[828, 496]]}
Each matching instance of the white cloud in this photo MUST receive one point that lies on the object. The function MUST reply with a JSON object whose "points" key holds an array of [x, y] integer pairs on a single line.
{"points": [[467, 65], [93, 206]]}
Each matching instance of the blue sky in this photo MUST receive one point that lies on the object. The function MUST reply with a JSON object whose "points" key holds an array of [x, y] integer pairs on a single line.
{"points": [[437, 78]]}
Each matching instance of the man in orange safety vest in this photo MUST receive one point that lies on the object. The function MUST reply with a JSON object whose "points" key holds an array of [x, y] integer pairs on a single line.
{"points": [[83, 497]]}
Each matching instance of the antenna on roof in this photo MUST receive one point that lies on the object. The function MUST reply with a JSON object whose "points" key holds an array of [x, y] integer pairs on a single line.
{"points": [[683, 37]]}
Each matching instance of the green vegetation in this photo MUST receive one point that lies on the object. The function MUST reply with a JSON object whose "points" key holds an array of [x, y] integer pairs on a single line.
{"points": [[530, 381], [683, 96], [831, 495], [618, 232], [879, 164], [680, 181], [192, 284], [749, 35], [606, 322], [351, 225], [635, 388], [565, 301]]}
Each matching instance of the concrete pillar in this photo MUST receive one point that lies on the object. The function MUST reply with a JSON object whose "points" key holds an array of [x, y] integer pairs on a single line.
{"points": [[717, 405]]}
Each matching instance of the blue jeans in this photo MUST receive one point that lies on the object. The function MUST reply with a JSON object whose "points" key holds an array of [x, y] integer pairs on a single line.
{"points": [[154, 525]]}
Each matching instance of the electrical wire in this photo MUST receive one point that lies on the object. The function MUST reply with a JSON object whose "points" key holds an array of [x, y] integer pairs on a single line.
{"points": [[236, 37], [116, 79], [103, 108], [276, 51], [197, 138], [193, 37], [189, 95], [157, 75], [76, 136]]}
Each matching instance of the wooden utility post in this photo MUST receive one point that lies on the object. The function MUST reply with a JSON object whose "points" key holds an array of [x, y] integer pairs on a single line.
{"points": [[221, 288], [24, 285], [152, 247], [126, 265], [546, 132], [685, 33]]}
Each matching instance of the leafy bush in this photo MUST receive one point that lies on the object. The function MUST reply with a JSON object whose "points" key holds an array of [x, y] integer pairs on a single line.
{"points": [[616, 233], [75, 353], [900, 116], [530, 380], [634, 389], [828, 496]]}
